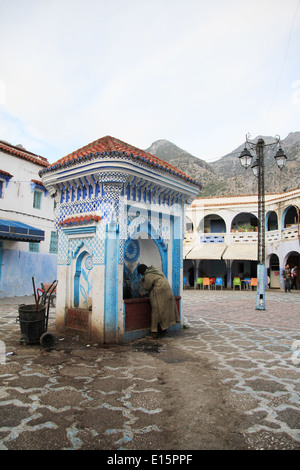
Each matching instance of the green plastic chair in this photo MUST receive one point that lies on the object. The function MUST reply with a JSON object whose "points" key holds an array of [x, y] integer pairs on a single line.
{"points": [[237, 283], [199, 282]]}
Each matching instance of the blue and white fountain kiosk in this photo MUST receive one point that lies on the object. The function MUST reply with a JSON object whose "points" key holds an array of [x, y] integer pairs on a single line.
{"points": [[116, 207]]}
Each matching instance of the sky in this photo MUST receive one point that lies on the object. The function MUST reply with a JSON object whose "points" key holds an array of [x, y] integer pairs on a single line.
{"points": [[199, 73]]}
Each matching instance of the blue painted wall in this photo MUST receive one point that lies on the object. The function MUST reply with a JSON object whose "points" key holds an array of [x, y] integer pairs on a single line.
{"points": [[111, 283], [18, 268]]}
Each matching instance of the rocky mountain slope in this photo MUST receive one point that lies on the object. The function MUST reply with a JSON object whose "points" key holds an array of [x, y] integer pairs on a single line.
{"points": [[226, 175]]}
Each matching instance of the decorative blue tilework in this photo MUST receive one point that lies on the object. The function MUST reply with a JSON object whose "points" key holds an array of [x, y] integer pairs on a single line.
{"points": [[131, 251]]}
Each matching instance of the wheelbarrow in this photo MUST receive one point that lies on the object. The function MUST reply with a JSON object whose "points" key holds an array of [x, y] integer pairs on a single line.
{"points": [[33, 319]]}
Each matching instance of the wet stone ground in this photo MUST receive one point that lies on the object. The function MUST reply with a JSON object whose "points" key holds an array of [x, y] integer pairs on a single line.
{"points": [[230, 379]]}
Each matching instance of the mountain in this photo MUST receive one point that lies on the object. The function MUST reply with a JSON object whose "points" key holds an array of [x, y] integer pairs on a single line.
{"points": [[192, 166], [226, 176]]}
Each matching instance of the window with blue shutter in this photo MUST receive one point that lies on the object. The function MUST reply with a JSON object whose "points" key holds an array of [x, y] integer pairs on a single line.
{"points": [[53, 243], [37, 198]]}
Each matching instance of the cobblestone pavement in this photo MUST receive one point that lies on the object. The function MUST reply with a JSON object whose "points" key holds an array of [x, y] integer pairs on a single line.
{"points": [[256, 353], [229, 379]]}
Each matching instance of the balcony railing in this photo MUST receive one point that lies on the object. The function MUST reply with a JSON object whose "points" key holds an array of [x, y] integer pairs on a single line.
{"points": [[289, 233], [212, 238], [272, 236], [243, 237]]}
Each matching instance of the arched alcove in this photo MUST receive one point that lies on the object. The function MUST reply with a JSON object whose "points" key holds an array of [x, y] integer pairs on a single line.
{"points": [[271, 221], [212, 223], [274, 272], [189, 226], [244, 221], [141, 248], [293, 259], [83, 280], [290, 216]]}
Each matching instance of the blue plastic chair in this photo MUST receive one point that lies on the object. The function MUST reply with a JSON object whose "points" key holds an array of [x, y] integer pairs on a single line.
{"points": [[219, 282]]}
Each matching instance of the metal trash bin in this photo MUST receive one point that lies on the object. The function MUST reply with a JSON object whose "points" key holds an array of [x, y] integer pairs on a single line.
{"points": [[33, 319], [32, 322]]}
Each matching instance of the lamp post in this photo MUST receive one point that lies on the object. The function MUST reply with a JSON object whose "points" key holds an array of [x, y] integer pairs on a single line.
{"points": [[258, 168]]}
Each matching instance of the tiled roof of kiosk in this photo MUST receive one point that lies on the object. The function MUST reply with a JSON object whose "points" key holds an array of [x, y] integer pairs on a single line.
{"points": [[83, 219], [110, 146]]}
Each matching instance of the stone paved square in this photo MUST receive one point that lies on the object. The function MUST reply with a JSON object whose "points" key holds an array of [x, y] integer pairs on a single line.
{"points": [[229, 379]]}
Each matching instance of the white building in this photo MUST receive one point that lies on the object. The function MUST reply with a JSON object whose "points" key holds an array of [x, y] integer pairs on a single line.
{"points": [[28, 240], [221, 237]]}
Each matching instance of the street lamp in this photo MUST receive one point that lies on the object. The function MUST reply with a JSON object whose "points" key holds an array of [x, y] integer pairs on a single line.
{"points": [[258, 168]]}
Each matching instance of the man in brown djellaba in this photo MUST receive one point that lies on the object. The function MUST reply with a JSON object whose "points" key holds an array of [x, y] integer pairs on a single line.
{"points": [[164, 312]]}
